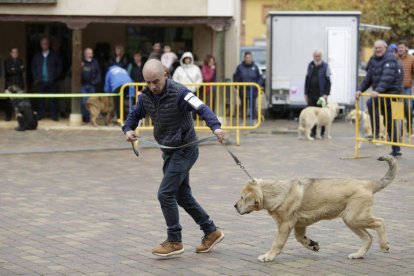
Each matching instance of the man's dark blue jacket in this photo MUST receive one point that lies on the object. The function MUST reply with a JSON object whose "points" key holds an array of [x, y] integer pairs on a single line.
{"points": [[171, 115], [248, 73], [383, 75], [54, 67]]}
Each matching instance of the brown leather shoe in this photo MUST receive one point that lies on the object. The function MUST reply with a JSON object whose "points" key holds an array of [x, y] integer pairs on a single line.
{"points": [[168, 248], [209, 241]]}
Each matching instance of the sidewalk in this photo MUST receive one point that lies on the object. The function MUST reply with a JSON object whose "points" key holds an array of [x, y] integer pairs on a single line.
{"points": [[77, 201]]}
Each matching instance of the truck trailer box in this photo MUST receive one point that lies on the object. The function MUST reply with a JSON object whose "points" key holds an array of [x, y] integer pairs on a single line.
{"points": [[291, 40]]}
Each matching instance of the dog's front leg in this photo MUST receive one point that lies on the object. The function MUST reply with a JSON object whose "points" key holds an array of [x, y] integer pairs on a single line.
{"points": [[328, 131], [318, 134], [279, 242]]}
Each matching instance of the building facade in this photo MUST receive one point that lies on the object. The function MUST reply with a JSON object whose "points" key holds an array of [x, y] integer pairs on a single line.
{"points": [[201, 26]]}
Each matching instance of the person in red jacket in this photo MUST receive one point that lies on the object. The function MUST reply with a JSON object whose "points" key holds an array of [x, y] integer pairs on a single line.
{"points": [[208, 71]]}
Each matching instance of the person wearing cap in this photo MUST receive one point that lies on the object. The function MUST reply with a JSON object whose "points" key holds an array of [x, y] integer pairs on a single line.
{"points": [[393, 48]]}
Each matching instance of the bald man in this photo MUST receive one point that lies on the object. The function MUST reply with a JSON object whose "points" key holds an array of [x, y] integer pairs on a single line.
{"points": [[385, 77], [169, 104], [317, 83]]}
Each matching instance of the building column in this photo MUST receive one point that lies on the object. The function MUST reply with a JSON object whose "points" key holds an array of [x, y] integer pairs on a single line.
{"points": [[219, 47], [75, 118]]}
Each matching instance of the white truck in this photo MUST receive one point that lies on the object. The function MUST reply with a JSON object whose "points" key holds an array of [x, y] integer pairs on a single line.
{"points": [[292, 38]]}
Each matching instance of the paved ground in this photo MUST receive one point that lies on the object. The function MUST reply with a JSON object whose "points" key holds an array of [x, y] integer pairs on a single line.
{"points": [[76, 201]]}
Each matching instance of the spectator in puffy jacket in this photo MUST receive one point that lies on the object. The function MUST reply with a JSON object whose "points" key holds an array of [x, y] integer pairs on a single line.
{"points": [[91, 77], [384, 75], [188, 72], [248, 71]]}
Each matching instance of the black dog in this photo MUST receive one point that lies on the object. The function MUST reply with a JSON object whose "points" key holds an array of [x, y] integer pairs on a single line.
{"points": [[26, 118]]}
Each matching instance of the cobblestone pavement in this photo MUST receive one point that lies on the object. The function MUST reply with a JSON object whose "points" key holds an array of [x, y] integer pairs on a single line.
{"points": [[79, 202]]}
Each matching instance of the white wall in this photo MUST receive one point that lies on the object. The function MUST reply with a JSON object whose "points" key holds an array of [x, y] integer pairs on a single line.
{"points": [[126, 8]]}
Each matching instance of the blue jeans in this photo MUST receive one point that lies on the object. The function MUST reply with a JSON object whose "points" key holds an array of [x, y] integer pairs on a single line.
{"points": [[86, 89], [175, 190], [251, 102], [374, 103]]}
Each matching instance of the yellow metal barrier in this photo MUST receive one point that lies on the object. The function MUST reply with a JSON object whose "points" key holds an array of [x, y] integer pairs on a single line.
{"points": [[229, 101], [390, 109]]}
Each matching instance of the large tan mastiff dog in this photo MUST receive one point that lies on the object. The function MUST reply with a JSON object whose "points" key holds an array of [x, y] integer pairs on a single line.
{"points": [[296, 204], [98, 105]]}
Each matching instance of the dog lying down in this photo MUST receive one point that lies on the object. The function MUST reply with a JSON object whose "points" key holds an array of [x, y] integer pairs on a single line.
{"points": [[298, 203]]}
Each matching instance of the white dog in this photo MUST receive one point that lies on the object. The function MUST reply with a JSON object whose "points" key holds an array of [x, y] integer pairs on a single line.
{"points": [[319, 116], [364, 119]]}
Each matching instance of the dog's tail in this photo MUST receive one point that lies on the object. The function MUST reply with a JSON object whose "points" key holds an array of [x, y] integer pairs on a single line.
{"points": [[390, 175]]}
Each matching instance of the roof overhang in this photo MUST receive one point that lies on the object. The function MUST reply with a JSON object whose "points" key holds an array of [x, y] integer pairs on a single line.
{"points": [[373, 28]]}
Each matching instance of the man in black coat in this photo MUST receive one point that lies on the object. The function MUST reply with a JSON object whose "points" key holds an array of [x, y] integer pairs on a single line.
{"points": [[384, 75], [46, 70]]}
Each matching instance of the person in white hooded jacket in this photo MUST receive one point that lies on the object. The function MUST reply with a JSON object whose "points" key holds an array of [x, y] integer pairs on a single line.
{"points": [[188, 72]]}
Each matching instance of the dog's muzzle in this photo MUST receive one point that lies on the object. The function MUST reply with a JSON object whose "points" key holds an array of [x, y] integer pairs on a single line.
{"points": [[241, 213]]}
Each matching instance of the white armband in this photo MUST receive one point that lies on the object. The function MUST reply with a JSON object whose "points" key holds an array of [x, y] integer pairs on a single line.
{"points": [[194, 101]]}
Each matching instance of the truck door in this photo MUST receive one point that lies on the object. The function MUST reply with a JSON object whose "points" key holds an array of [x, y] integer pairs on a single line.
{"points": [[338, 60]]}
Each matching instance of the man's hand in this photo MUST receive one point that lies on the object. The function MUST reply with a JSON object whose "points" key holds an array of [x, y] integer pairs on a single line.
{"points": [[374, 94], [357, 94], [325, 97], [131, 136], [220, 134]]}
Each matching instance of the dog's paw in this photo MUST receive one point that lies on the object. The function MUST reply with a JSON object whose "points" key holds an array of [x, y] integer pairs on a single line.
{"points": [[313, 245], [385, 249], [318, 137], [310, 138], [329, 137], [266, 258], [355, 256]]}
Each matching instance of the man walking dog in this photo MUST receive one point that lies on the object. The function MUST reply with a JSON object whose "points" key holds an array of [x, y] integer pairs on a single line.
{"points": [[169, 104]]}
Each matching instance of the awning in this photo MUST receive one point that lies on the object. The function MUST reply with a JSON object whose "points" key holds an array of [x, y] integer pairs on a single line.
{"points": [[373, 28]]}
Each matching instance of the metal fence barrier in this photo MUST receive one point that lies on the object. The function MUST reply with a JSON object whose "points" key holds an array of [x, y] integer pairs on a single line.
{"points": [[391, 123], [231, 102]]}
